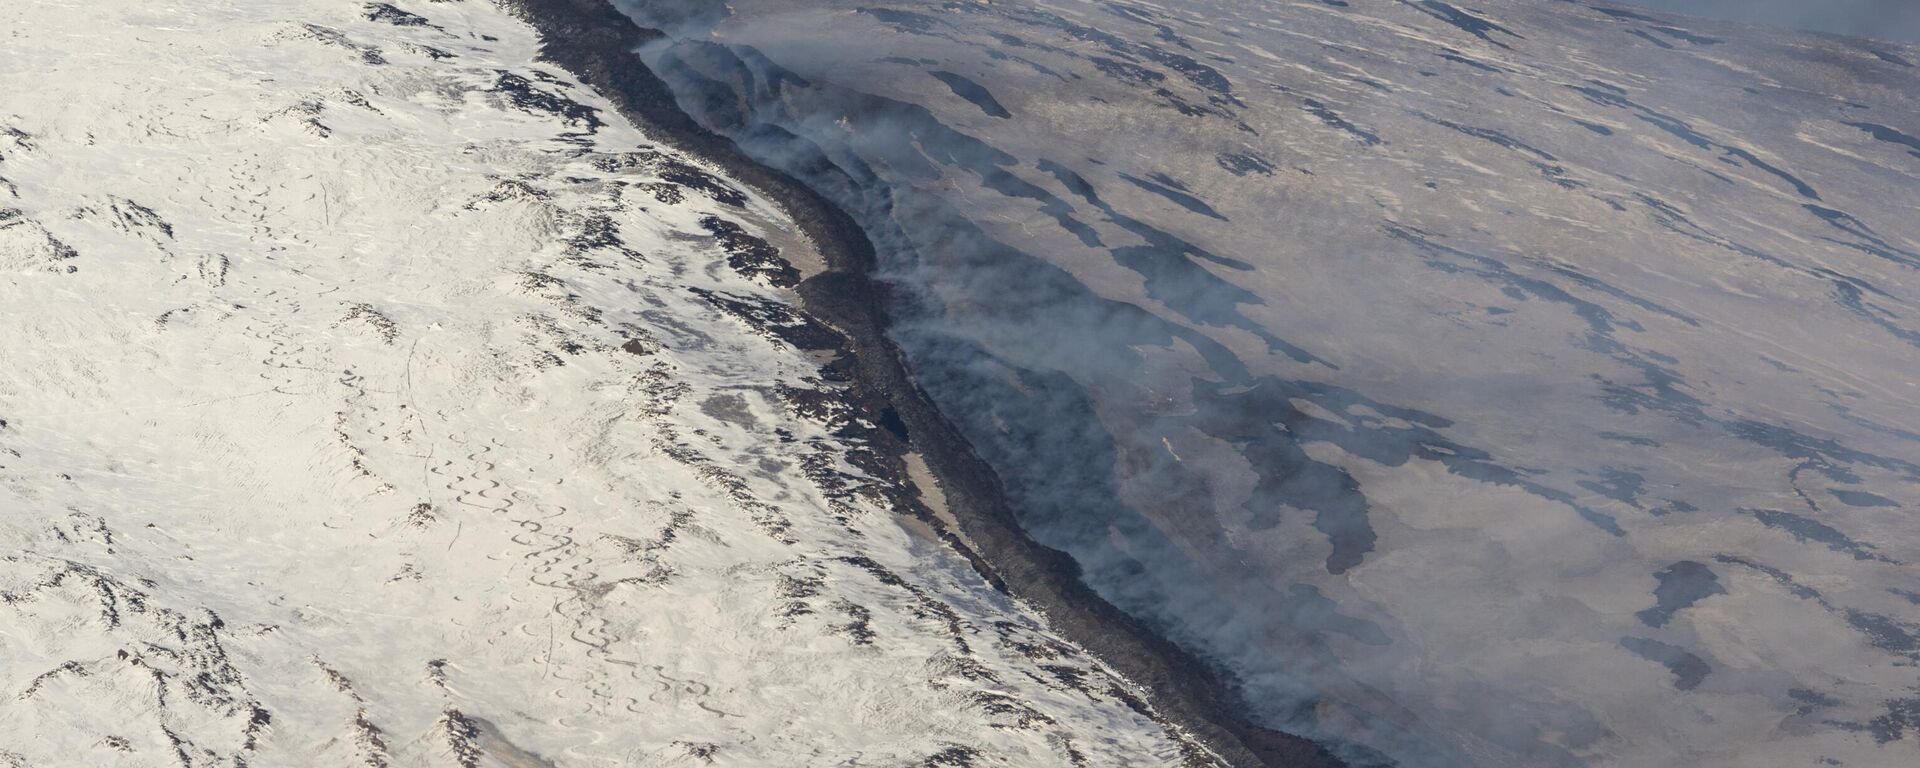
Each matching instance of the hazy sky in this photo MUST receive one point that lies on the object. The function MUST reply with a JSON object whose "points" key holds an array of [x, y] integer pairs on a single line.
{"points": [[1886, 19]]}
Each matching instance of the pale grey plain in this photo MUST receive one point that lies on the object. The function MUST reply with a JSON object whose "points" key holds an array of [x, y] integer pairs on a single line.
{"points": [[1497, 383]]}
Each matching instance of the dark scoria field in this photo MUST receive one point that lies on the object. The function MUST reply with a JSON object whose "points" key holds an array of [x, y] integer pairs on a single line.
{"points": [[1494, 384]]}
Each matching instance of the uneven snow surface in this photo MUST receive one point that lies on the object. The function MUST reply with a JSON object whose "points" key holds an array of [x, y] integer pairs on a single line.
{"points": [[1485, 382], [371, 394]]}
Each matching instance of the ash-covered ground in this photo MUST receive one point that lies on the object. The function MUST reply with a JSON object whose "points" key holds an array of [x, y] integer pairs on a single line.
{"points": [[1476, 383], [1883, 19]]}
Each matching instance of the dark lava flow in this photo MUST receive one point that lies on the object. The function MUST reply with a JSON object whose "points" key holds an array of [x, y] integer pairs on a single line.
{"points": [[594, 41]]}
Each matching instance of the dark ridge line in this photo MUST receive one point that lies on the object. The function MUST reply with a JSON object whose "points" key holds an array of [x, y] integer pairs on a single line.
{"points": [[973, 92], [594, 41]]}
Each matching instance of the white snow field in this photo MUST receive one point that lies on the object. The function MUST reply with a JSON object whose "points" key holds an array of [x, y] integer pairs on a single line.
{"points": [[373, 394]]}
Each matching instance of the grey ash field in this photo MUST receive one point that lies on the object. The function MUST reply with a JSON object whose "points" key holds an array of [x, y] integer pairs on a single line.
{"points": [[1473, 383], [1491, 383]]}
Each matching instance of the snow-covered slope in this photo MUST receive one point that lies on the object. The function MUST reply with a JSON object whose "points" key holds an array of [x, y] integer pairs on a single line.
{"points": [[372, 394]]}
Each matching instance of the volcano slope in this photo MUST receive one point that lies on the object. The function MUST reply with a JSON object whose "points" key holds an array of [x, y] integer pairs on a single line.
{"points": [[374, 394], [1506, 383]]}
